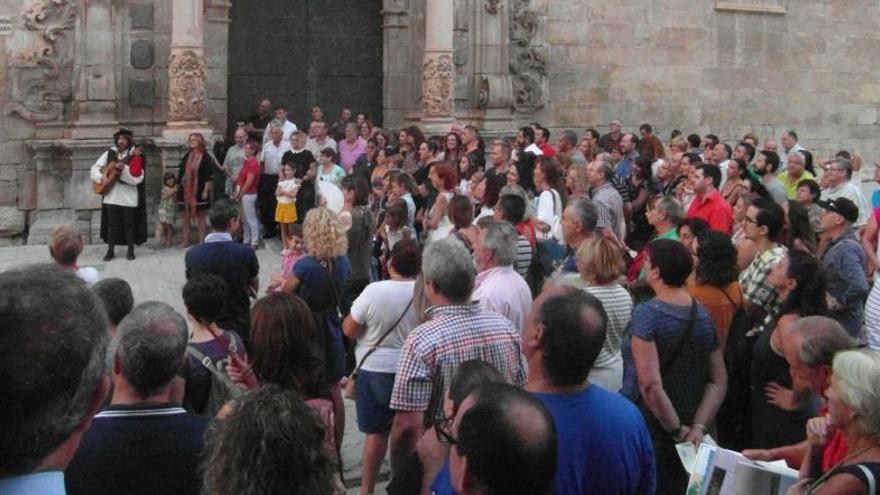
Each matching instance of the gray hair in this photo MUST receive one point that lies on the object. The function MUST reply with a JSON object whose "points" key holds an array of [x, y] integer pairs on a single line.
{"points": [[55, 335], [856, 374], [821, 339], [151, 343], [500, 237], [276, 124], [673, 209], [844, 164], [447, 265], [585, 212], [797, 154]]}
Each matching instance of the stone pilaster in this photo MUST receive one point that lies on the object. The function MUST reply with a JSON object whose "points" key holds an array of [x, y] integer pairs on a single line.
{"points": [[187, 72], [438, 70], [492, 83], [95, 68]]}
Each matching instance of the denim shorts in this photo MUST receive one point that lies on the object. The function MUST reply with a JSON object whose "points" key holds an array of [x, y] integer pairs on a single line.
{"points": [[373, 399]]}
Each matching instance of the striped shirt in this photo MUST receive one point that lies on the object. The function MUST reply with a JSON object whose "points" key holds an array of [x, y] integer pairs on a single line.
{"points": [[618, 306], [452, 335], [523, 255]]}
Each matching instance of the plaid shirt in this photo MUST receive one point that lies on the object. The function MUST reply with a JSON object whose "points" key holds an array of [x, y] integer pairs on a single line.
{"points": [[754, 283], [433, 350]]}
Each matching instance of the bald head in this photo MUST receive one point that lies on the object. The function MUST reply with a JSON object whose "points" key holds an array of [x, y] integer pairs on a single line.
{"points": [[572, 327]]}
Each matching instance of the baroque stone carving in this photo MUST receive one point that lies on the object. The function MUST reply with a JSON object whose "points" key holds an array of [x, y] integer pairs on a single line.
{"points": [[41, 74], [186, 86], [493, 91], [492, 6], [438, 77], [528, 60]]}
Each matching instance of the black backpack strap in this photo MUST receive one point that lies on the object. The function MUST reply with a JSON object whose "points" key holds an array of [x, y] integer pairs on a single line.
{"points": [[689, 330], [384, 335]]}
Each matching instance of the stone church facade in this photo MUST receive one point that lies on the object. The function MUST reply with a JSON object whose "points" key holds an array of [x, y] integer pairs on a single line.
{"points": [[73, 71]]}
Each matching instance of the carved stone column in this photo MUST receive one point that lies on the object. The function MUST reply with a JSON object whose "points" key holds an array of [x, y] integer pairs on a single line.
{"points": [[492, 83], [95, 68], [187, 72], [438, 70]]}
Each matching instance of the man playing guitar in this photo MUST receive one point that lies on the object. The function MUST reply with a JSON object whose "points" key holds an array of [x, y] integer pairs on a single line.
{"points": [[119, 190]]}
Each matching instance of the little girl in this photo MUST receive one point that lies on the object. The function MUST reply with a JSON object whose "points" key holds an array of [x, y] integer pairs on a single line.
{"points": [[296, 249], [285, 193], [328, 170], [393, 230], [168, 208]]}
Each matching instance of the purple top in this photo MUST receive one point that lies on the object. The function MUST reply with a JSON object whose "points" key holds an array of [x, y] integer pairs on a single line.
{"points": [[348, 154]]}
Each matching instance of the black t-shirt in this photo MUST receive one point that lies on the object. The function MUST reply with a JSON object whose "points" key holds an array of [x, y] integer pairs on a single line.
{"points": [[259, 122], [236, 264], [139, 448]]}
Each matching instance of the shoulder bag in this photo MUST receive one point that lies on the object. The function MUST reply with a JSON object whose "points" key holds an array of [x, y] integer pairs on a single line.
{"points": [[351, 382]]}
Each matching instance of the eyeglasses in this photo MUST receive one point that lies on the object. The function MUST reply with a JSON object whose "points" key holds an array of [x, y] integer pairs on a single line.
{"points": [[751, 220], [443, 431]]}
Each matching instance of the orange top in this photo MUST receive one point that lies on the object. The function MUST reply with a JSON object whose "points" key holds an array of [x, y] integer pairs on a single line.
{"points": [[719, 305]]}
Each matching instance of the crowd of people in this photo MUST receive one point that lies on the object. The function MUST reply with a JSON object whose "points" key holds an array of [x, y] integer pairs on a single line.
{"points": [[516, 316]]}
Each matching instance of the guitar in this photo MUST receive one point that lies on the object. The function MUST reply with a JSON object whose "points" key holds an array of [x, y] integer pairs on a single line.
{"points": [[111, 171]]}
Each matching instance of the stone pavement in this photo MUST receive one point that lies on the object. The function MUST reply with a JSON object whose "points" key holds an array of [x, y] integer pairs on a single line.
{"points": [[158, 274]]}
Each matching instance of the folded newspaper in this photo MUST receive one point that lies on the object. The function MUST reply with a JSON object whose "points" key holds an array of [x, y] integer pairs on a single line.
{"points": [[717, 471]]}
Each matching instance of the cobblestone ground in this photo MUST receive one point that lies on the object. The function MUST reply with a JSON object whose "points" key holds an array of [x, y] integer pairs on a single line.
{"points": [[158, 274]]}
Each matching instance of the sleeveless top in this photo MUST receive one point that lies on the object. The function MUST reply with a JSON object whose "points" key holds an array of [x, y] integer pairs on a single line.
{"points": [[771, 426], [445, 226]]}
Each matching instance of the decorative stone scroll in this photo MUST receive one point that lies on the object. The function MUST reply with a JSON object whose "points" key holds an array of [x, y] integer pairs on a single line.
{"points": [[438, 85], [41, 73], [528, 60], [186, 86]]}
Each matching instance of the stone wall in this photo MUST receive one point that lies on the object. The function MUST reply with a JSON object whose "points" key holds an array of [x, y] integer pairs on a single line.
{"points": [[718, 66]]}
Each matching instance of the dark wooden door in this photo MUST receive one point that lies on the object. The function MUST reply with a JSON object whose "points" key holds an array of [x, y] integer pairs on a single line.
{"points": [[303, 53]]}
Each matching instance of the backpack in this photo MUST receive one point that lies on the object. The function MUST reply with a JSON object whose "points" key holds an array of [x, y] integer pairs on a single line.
{"points": [[222, 389], [734, 420]]}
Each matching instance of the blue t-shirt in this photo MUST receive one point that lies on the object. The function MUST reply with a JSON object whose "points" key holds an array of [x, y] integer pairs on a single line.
{"points": [[604, 444], [236, 264], [442, 484], [685, 377], [875, 198], [315, 287]]}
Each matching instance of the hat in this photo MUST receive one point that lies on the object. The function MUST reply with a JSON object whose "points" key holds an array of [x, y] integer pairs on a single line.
{"points": [[843, 207], [123, 132]]}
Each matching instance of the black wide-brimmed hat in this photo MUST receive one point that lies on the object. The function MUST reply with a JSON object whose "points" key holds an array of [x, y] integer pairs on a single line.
{"points": [[123, 132]]}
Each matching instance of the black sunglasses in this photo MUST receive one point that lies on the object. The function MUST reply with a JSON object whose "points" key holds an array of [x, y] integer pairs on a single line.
{"points": [[443, 431]]}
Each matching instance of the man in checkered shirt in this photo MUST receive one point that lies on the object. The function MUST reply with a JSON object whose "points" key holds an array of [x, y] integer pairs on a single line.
{"points": [[457, 330]]}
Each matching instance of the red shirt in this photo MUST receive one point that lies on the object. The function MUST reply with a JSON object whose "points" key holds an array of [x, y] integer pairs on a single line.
{"points": [[714, 210], [836, 449], [548, 150], [251, 166]]}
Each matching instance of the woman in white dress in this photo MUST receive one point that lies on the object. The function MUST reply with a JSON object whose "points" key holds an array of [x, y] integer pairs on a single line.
{"points": [[444, 179]]}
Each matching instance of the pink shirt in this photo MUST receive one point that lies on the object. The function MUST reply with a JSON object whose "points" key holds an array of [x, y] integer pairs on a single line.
{"points": [[504, 291], [348, 154]]}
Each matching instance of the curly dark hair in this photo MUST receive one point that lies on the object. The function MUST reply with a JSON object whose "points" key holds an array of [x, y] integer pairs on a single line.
{"points": [[285, 345], [716, 258], [272, 442]]}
